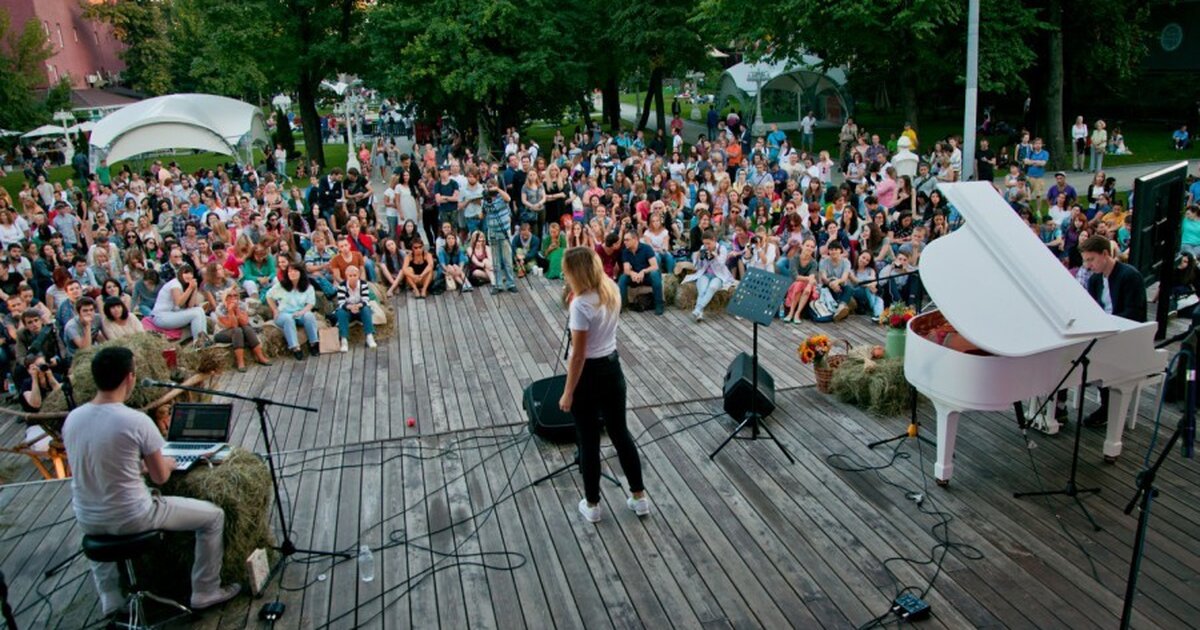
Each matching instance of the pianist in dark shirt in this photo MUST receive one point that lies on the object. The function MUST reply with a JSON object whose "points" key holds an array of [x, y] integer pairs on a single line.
{"points": [[1119, 290]]}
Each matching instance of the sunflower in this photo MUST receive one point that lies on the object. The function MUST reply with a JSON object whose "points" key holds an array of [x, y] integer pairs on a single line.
{"points": [[807, 355]]}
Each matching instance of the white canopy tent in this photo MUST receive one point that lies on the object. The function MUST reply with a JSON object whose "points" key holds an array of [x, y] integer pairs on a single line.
{"points": [[82, 127], [45, 130], [790, 89], [179, 121]]}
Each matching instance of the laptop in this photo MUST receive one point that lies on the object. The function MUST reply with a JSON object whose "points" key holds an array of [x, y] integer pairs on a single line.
{"points": [[198, 431]]}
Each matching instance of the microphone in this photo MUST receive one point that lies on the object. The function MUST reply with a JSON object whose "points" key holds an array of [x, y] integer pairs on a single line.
{"points": [[149, 382]]}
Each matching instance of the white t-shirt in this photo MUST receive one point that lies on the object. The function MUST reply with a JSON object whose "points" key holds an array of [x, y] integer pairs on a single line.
{"points": [[586, 313], [107, 444], [807, 123], [164, 302]]}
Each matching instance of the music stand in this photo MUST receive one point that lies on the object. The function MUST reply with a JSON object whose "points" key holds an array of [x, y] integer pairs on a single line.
{"points": [[757, 299]]}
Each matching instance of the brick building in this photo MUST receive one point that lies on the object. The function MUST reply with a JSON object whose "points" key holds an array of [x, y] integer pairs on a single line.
{"points": [[84, 50]]}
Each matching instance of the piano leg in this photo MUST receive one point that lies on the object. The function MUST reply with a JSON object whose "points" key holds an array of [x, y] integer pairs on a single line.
{"points": [[947, 430], [1118, 413]]}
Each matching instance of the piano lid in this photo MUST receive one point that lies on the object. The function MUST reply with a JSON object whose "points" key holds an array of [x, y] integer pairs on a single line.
{"points": [[997, 283]]}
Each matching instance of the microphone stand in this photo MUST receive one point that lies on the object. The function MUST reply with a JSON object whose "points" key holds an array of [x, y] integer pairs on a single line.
{"points": [[1146, 492], [288, 547], [1071, 490]]}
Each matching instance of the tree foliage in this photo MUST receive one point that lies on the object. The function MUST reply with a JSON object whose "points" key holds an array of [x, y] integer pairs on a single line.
{"points": [[660, 38], [246, 49], [495, 64], [142, 26], [913, 46], [23, 55]]}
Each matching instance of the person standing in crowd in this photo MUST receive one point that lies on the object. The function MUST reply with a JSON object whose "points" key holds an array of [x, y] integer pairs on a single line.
{"points": [[595, 383], [110, 445], [499, 221]]}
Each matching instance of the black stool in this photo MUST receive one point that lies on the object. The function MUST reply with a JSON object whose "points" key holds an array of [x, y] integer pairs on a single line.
{"points": [[110, 548]]}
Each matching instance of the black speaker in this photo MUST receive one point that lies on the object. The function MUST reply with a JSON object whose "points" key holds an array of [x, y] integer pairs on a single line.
{"points": [[739, 387], [546, 420]]}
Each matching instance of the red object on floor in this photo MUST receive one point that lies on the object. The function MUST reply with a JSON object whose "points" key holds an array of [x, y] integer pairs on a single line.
{"points": [[412, 422]]}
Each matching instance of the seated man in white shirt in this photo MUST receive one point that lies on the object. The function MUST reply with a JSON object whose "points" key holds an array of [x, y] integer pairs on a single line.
{"points": [[110, 444]]}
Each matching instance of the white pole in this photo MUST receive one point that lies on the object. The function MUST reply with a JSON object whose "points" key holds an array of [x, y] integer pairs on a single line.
{"points": [[969, 124], [351, 155]]}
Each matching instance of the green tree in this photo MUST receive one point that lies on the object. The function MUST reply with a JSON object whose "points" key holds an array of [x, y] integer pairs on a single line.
{"points": [[489, 65], [917, 46], [659, 38], [23, 55], [141, 25]]}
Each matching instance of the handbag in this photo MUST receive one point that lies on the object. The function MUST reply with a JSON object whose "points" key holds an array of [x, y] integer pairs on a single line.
{"points": [[378, 314], [328, 340]]}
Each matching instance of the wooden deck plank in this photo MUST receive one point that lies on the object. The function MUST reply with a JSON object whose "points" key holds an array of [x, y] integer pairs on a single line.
{"points": [[747, 540]]}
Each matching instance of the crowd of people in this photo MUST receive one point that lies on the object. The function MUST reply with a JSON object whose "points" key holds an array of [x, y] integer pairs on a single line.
{"points": [[214, 254]]}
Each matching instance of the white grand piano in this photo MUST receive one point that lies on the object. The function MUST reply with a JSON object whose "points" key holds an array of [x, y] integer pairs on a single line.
{"points": [[1019, 320]]}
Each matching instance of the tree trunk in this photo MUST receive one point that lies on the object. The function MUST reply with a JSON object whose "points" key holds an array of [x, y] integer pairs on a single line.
{"points": [[1055, 139], [306, 94], [660, 114], [655, 87], [585, 111], [611, 104], [908, 99]]}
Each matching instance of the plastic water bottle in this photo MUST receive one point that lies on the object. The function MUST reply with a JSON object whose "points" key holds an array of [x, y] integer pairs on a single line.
{"points": [[366, 564]]}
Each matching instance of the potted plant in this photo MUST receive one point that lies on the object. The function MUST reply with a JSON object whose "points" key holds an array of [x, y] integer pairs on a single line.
{"points": [[896, 318]]}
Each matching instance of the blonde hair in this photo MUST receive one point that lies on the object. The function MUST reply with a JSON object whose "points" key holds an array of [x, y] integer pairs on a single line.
{"points": [[584, 273]]}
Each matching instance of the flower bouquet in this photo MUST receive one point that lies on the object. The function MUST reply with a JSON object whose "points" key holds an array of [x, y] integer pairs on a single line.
{"points": [[896, 318], [815, 350]]}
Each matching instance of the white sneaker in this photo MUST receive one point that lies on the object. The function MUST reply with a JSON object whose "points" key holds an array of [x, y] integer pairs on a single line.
{"points": [[698, 315], [371, 342], [223, 595], [345, 346], [641, 506], [590, 514]]}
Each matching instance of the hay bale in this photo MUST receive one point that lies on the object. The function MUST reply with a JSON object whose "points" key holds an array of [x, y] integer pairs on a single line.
{"points": [[208, 360], [670, 288], [877, 385], [241, 486], [148, 361], [683, 268], [686, 298]]}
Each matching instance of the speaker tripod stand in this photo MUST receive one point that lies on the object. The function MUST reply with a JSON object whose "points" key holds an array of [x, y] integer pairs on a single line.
{"points": [[757, 299]]}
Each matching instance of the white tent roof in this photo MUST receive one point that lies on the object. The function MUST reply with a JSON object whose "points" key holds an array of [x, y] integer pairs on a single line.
{"points": [[7, 132], [742, 72], [178, 121], [45, 130]]}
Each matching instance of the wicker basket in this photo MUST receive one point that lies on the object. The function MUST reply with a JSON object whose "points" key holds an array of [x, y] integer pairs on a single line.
{"points": [[832, 361]]}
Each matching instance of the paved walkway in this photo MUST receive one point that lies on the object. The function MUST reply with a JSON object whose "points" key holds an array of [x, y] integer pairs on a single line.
{"points": [[1124, 174]]}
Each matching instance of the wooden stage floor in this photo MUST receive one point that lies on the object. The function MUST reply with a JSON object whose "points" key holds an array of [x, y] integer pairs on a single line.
{"points": [[745, 540]]}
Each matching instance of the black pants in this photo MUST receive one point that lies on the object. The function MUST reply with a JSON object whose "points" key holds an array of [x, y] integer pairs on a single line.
{"points": [[600, 393]]}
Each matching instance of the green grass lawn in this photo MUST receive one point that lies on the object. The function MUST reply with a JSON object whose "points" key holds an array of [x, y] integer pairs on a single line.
{"points": [[1148, 142], [335, 155]]}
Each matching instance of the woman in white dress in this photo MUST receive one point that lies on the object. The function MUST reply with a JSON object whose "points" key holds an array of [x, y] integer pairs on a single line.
{"points": [[406, 196]]}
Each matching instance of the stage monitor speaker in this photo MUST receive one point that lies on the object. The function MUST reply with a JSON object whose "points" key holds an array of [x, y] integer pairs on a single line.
{"points": [[739, 388], [546, 420]]}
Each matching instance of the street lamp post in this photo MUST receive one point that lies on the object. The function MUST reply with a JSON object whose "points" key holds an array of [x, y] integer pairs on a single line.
{"points": [[348, 107], [969, 122], [758, 76], [65, 119]]}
